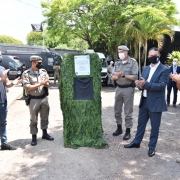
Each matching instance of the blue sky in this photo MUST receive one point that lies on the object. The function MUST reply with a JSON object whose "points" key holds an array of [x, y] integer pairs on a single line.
{"points": [[16, 17]]}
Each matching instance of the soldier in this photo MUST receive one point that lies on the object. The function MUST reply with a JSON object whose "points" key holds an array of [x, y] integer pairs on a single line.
{"points": [[125, 72], [35, 82], [109, 72], [56, 68]]}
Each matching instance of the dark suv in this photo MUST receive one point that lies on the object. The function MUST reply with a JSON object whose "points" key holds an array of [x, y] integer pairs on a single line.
{"points": [[10, 62]]}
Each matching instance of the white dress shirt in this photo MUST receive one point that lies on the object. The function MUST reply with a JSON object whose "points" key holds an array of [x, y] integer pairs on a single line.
{"points": [[151, 72]]}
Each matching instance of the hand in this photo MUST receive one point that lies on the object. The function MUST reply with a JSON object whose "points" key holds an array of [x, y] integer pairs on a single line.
{"points": [[118, 74], [44, 82], [175, 77], [17, 81], [4, 75], [140, 83]]}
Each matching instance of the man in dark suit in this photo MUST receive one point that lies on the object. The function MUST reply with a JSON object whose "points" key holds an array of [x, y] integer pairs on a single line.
{"points": [[153, 83], [172, 84]]}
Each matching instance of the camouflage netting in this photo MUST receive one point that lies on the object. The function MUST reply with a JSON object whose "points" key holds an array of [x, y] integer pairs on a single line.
{"points": [[81, 118]]}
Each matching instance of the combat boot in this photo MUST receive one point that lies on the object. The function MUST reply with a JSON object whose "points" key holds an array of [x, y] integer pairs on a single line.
{"points": [[46, 135], [118, 131], [127, 135], [34, 140]]}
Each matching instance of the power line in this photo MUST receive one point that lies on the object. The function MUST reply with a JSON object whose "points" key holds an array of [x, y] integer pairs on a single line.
{"points": [[28, 4]]}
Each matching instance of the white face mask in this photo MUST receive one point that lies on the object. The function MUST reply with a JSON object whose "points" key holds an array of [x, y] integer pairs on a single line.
{"points": [[121, 56], [174, 63]]}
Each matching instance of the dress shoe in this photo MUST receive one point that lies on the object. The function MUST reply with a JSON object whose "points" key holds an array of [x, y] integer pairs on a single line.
{"points": [[127, 135], [118, 131], [151, 152], [7, 147], [34, 140], [47, 136], [174, 105], [132, 145]]}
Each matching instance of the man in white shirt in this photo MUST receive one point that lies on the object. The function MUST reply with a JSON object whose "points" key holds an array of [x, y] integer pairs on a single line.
{"points": [[153, 83]]}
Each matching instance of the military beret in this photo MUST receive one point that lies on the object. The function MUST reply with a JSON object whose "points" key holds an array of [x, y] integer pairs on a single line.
{"points": [[123, 47], [35, 58]]}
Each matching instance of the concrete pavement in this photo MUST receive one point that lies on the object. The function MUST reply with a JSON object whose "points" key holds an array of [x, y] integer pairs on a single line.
{"points": [[14, 93]]}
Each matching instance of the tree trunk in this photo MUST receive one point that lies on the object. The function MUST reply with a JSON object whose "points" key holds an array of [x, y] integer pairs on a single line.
{"points": [[145, 55]]}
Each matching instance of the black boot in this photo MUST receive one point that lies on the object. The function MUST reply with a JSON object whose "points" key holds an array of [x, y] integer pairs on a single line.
{"points": [[127, 135], [46, 135], [118, 131], [34, 140]]}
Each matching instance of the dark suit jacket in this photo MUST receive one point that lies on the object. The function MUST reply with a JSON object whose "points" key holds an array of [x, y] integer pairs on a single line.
{"points": [[156, 88], [170, 82]]}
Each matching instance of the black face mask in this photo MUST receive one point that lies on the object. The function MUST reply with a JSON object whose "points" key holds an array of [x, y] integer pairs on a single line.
{"points": [[153, 59], [39, 65], [1, 59]]}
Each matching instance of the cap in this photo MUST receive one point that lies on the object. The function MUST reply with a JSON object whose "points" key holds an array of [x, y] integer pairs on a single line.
{"points": [[123, 47], [35, 58]]}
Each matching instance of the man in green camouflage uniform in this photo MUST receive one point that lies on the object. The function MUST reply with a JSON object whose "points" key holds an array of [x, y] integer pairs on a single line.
{"points": [[125, 72], [35, 80], [56, 68]]}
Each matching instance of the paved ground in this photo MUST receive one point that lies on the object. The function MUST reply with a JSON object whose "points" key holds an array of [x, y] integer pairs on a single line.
{"points": [[50, 160]]}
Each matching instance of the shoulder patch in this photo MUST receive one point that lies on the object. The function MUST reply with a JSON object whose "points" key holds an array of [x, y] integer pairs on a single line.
{"points": [[26, 71], [43, 70], [133, 59]]}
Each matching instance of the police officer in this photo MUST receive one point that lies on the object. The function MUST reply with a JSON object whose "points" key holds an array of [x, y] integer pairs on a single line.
{"points": [[56, 68], [35, 80], [125, 72]]}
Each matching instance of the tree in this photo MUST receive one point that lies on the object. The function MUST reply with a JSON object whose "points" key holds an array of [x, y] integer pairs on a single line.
{"points": [[9, 39], [35, 38], [94, 20]]}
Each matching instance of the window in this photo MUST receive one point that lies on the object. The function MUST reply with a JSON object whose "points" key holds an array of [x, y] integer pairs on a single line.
{"points": [[50, 61], [11, 65]]}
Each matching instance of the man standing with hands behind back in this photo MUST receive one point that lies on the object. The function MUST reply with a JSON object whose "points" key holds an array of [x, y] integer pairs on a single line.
{"points": [[56, 68], [35, 80], [125, 72], [174, 69], [153, 83]]}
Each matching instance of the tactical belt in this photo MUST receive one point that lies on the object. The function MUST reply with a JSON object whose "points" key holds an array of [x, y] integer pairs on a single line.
{"points": [[38, 97], [125, 85]]}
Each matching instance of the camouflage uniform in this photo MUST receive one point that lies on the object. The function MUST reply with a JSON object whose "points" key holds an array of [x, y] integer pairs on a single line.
{"points": [[37, 105], [56, 73]]}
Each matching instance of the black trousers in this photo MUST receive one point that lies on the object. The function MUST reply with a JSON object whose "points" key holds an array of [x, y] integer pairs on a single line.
{"points": [[175, 89]]}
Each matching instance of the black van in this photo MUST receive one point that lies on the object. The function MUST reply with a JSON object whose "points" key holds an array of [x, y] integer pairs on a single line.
{"points": [[24, 56], [9, 62]]}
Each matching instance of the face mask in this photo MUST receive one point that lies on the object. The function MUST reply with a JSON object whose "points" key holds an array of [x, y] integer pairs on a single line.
{"points": [[121, 56], [1, 59], [153, 59], [39, 65], [174, 63]]}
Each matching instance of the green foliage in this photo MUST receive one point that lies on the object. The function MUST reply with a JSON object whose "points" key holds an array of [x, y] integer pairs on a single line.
{"points": [[9, 39], [174, 54], [110, 22], [35, 38], [81, 118]]}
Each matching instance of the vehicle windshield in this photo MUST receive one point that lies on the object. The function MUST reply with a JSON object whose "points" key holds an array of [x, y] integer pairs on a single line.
{"points": [[18, 62], [15, 64]]}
